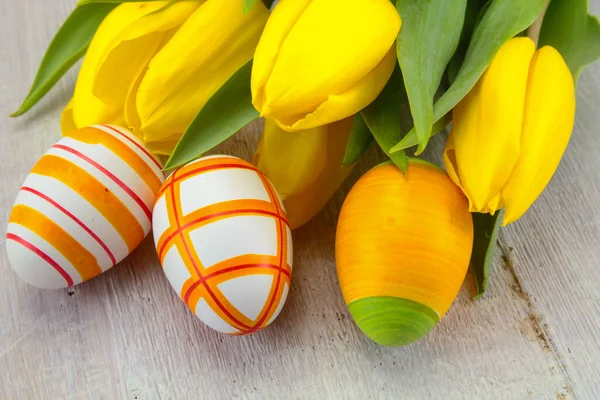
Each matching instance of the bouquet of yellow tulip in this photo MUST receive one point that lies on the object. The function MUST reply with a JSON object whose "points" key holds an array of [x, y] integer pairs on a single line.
{"points": [[330, 77]]}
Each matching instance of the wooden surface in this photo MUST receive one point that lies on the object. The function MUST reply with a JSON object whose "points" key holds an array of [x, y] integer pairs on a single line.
{"points": [[126, 334]]}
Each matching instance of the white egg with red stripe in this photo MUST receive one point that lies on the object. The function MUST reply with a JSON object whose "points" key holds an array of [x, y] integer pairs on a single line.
{"points": [[86, 204], [224, 241]]}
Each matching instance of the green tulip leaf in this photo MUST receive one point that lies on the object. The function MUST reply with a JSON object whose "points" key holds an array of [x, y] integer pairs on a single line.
{"points": [[486, 229], [502, 20], [430, 34], [383, 117], [412, 140], [573, 32], [225, 113], [359, 141], [68, 45], [473, 14], [441, 124]]}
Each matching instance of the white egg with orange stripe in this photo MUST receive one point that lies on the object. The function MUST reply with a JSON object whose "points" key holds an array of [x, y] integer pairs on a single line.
{"points": [[225, 244], [86, 204]]}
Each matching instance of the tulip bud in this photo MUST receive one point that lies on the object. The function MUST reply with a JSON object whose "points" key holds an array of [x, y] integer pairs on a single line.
{"points": [[158, 70], [305, 167], [85, 109], [510, 132], [320, 61]]}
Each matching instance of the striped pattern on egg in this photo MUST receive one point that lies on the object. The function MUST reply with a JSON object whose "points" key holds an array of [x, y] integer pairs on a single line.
{"points": [[85, 205], [224, 241]]}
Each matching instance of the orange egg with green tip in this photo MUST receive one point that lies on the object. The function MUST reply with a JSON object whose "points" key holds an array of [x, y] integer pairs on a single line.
{"points": [[403, 247]]}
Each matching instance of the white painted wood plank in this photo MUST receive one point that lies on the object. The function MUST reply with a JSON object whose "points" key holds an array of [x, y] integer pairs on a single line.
{"points": [[127, 335]]}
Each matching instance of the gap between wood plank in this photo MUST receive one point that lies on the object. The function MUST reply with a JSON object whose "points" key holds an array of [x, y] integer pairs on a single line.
{"points": [[535, 318]]}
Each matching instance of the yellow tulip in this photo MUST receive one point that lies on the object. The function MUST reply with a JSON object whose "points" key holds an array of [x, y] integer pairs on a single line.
{"points": [[305, 167], [320, 61], [90, 110], [152, 66], [511, 130]]}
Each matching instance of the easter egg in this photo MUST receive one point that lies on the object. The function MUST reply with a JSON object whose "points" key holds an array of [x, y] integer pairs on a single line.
{"points": [[85, 205], [224, 241], [403, 245]]}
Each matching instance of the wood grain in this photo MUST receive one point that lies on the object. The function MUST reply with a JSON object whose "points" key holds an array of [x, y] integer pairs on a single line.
{"points": [[126, 334]]}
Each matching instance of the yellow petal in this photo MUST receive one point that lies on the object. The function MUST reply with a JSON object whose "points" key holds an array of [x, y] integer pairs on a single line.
{"points": [[278, 26], [87, 109], [487, 124], [215, 41], [132, 119], [126, 56], [302, 205], [449, 156], [495, 204], [332, 46], [340, 106], [547, 125], [292, 160], [163, 148], [67, 124]]}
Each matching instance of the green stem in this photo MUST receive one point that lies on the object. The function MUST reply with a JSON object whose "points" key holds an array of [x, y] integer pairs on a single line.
{"points": [[534, 30]]}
